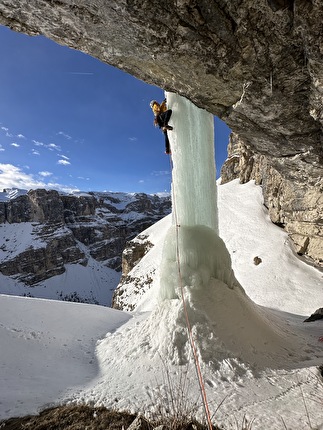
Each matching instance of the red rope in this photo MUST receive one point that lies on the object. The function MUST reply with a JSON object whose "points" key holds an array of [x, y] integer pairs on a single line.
{"points": [[188, 325]]}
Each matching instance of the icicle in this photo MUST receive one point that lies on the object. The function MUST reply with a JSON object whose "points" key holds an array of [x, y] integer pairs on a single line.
{"points": [[244, 87]]}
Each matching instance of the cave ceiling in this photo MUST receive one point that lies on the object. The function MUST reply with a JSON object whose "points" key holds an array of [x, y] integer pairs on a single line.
{"points": [[257, 64]]}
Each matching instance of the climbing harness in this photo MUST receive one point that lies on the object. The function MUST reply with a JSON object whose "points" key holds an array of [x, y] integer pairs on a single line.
{"points": [[188, 325]]}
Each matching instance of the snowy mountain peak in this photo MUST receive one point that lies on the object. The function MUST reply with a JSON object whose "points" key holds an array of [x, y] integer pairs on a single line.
{"points": [[11, 193]]}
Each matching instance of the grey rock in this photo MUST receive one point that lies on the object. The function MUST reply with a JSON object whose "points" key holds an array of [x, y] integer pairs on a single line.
{"points": [[317, 315], [35, 264], [132, 254], [257, 260], [139, 423]]}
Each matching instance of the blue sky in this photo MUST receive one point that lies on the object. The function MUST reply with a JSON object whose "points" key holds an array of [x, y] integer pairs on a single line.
{"points": [[69, 121]]}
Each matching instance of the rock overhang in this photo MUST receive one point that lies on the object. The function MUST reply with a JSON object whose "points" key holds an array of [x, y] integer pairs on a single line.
{"points": [[257, 64]]}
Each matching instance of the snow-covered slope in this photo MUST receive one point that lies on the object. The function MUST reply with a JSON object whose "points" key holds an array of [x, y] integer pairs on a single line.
{"points": [[282, 280], [46, 347], [42, 340]]}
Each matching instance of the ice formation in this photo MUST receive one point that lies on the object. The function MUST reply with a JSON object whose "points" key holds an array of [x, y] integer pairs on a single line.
{"points": [[202, 253]]}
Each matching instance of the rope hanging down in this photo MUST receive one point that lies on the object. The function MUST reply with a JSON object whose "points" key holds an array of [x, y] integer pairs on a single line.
{"points": [[188, 325]]}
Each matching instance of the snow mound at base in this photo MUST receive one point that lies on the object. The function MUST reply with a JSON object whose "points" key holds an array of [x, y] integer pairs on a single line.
{"points": [[226, 326], [138, 360]]}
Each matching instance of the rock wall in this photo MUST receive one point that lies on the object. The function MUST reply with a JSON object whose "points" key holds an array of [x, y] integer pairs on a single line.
{"points": [[295, 205], [133, 283], [34, 264]]}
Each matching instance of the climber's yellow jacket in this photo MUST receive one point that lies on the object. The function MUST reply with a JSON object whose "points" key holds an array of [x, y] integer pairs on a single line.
{"points": [[158, 108]]}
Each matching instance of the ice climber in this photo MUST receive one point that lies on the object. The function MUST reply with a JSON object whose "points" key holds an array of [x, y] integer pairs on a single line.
{"points": [[162, 116]]}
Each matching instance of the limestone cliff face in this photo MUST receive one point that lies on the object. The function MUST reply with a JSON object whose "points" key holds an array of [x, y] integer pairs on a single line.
{"points": [[42, 261], [68, 229], [292, 204], [132, 282], [36, 206], [257, 64]]}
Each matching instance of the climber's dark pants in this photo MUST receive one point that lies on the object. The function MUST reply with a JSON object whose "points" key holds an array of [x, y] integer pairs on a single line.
{"points": [[162, 120], [167, 144]]}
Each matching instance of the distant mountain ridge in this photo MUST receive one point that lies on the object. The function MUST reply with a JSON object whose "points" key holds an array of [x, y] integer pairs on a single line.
{"points": [[42, 232]]}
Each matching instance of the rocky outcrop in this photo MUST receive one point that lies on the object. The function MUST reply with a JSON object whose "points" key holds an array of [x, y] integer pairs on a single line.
{"points": [[133, 283], [36, 206], [67, 229], [257, 64], [35, 264], [293, 204], [134, 252]]}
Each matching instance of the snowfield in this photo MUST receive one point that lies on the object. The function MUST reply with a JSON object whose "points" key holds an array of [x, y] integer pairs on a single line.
{"points": [[47, 347]]}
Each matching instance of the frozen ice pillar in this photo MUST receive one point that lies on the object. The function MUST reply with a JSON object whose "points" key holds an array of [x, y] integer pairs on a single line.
{"points": [[194, 192], [203, 255]]}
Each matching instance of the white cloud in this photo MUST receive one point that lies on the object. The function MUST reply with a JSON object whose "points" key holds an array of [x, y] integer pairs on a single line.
{"points": [[63, 162], [5, 128], [160, 172], [141, 181], [53, 147], [16, 145], [63, 156], [67, 136], [13, 177], [60, 187], [45, 173], [50, 146], [21, 136], [1, 148], [9, 134], [133, 139], [34, 152], [37, 143]]}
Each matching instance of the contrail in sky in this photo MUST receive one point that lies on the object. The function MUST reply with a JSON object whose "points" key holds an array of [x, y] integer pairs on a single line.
{"points": [[81, 73]]}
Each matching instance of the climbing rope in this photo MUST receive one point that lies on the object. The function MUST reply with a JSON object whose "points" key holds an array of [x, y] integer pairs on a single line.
{"points": [[188, 324]]}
